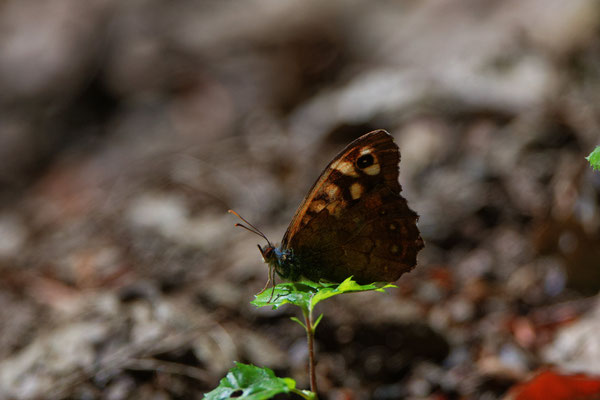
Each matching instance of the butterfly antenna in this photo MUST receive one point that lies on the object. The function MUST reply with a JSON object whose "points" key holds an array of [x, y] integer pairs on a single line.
{"points": [[254, 229]]}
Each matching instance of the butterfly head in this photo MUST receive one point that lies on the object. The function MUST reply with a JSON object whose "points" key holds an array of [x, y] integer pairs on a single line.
{"points": [[281, 261], [268, 253], [276, 258]]}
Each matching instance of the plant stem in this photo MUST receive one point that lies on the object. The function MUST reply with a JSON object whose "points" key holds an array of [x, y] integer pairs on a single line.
{"points": [[310, 335]]}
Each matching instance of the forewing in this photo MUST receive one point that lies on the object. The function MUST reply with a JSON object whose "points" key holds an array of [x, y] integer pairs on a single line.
{"points": [[331, 191]]}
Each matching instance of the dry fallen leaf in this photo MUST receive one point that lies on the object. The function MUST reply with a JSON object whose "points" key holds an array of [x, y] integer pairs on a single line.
{"points": [[550, 385]]}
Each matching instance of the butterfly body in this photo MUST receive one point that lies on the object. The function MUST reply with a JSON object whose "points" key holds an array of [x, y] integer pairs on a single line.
{"points": [[353, 220], [283, 261]]}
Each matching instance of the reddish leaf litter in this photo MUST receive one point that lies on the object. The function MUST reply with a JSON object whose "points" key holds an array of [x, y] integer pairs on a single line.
{"points": [[551, 385]]}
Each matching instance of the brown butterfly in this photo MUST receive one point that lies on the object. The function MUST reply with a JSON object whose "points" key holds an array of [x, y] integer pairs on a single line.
{"points": [[352, 222]]}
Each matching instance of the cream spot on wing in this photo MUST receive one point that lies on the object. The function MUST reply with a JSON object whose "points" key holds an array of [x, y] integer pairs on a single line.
{"points": [[356, 190], [332, 191], [366, 150], [372, 170], [345, 168], [317, 205], [392, 227]]}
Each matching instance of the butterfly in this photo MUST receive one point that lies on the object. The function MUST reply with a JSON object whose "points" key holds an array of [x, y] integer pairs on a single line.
{"points": [[352, 222]]}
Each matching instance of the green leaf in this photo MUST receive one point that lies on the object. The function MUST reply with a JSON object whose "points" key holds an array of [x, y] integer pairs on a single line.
{"points": [[594, 158], [348, 286], [253, 383], [297, 293], [307, 294]]}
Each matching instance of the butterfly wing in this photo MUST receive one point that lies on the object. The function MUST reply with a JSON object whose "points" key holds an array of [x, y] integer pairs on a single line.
{"points": [[354, 221]]}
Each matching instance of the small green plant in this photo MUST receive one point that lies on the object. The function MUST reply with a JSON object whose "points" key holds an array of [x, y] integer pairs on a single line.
{"points": [[594, 158], [254, 383]]}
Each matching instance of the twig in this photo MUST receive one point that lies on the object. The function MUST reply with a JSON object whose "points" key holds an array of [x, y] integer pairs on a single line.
{"points": [[310, 335]]}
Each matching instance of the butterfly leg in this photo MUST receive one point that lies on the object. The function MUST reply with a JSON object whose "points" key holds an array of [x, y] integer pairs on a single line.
{"points": [[273, 290], [269, 280]]}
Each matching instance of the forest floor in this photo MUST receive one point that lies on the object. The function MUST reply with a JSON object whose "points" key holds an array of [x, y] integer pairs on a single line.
{"points": [[125, 139]]}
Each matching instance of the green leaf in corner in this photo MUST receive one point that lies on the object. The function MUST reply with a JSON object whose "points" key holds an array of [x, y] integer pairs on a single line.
{"points": [[253, 383], [594, 158]]}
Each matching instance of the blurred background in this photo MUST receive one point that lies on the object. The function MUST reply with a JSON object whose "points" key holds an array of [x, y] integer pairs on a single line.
{"points": [[127, 129]]}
